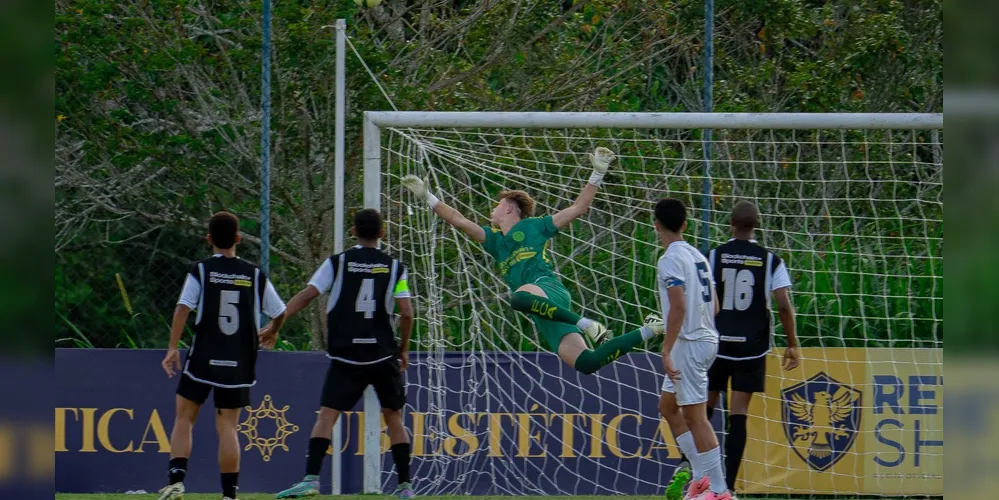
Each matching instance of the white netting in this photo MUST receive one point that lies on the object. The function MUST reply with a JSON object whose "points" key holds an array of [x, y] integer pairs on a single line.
{"points": [[857, 215]]}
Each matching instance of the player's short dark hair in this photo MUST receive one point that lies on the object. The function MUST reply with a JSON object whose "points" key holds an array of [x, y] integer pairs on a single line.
{"points": [[367, 224], [745, 216], [671, 213], [223, 228]]}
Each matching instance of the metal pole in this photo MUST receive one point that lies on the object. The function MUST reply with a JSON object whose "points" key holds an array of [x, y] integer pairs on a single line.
{"points": [[709, 28], [341, 97], [265, 143], [338, 215], [372, 411]]}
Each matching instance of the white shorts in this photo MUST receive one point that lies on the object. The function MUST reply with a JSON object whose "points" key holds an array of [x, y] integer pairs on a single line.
{"points": [[692, 359]]}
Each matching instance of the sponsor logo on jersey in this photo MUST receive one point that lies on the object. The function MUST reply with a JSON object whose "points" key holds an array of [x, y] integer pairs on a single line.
{"points": [[362, 267], [745, 260], [229, 279]]}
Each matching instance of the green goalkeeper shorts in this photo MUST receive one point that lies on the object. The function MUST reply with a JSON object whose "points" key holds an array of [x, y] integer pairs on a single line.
{"points": [[553, 331]]}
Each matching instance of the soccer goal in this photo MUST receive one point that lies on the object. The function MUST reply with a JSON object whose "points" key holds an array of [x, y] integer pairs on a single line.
{"points": [[853, 203]]}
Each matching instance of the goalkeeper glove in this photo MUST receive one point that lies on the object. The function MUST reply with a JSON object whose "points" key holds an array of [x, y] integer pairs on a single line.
{"points": [[601, 159], [419, 189]]}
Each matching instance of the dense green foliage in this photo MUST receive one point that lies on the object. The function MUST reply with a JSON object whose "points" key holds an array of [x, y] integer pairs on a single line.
{"points": [[158, 115]]}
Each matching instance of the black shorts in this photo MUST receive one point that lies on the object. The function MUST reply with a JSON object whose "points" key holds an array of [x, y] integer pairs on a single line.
{"points": [[748, 375], [225, 398], [345, 384]]}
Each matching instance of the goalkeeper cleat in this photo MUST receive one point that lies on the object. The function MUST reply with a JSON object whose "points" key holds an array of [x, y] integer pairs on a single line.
{"points": [[405, 490], [307, 487], [698, 488], [655, 323], [681, 476], [596, 332], [173, 492]]}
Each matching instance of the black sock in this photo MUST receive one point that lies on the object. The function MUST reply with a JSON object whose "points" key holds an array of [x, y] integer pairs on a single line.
{"points": [[317, 452], [177, 469], [230, 483], [734, 446], [400, 453], [711, 411]]}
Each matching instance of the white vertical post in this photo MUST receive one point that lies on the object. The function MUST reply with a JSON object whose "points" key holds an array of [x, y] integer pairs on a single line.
{"points": [[338, 215], [372, 409], [341, 98]]}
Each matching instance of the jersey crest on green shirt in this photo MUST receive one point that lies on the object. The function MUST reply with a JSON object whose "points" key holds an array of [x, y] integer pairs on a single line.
{"points": [[522, 254]]}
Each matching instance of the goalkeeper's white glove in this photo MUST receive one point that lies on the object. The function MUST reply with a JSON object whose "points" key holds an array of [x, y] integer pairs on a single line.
{"points": [[601, 159], [419, 189]]}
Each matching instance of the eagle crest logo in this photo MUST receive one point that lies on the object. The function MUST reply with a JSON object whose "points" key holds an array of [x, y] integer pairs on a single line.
{"points": [[821, 419]]}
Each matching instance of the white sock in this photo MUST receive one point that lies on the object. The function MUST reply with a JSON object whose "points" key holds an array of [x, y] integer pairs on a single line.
{"points": [[712, 467], [647, 333], [584, 323], [686, 443]]}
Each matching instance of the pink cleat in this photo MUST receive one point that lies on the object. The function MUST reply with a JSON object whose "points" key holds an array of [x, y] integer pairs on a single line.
{"points": [[697, 489], [710, 495]]}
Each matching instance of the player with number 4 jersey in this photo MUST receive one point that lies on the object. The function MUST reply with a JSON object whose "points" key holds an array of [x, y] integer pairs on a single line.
{"points": [[365, 286]]}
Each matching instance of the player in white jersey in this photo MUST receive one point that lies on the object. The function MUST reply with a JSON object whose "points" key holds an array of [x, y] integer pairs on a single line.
{"points": [[689, 303]]}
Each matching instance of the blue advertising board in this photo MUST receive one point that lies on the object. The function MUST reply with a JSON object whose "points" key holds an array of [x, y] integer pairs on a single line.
{"points": [[481, 423]]}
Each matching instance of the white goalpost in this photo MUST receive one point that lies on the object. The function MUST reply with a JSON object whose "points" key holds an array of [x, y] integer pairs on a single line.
{"points": [[853, 203]]}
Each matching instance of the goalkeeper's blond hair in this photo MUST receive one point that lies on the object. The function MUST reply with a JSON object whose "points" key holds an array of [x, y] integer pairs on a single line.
{"points": [[523, 200]]}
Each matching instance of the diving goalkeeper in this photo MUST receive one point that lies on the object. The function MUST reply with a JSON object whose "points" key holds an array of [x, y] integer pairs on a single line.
{"points": [[518, 242]]}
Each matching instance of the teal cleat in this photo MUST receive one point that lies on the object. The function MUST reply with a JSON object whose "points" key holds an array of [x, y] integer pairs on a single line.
{"points": [[307, 487], [681, 476], [405, 490]]}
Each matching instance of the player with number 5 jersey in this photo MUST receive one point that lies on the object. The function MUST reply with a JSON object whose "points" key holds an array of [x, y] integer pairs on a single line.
{"points": [[229, 294], [689, 303]]}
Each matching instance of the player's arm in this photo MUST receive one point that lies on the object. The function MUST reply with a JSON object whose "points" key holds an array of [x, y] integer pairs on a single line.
{"points": [[600, 159], [450, 215], [275, 309], [320, 283], [190, 295], [785, 311], [405, 306]]}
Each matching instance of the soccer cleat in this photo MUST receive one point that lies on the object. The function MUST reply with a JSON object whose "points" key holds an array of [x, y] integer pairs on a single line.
{"points": [[655, 323], [307, 487], [597, 333], [405, 490], [698, 488], [681, 476], [173, 492], [710, 495]]}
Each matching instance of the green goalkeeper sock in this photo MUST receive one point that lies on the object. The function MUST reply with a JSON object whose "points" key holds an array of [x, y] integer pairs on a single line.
{"points": [[592, 360], [544, 308]]}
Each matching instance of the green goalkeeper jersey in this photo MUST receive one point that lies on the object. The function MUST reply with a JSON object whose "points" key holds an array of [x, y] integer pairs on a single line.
{"points": [[522, 254]]}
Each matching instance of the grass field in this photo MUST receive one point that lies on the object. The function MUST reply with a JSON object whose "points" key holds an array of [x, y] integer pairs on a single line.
{"points": [[270, 496]]}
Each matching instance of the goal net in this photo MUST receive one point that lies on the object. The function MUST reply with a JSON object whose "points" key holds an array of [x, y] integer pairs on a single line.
{"points": [[852, 203]]}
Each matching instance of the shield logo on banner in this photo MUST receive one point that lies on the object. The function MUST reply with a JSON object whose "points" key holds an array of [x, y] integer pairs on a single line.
{"points": [[821, 419]]}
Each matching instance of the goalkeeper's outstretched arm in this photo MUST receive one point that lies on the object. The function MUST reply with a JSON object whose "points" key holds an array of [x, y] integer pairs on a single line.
{"points": [[601, 159], [450, 215]]}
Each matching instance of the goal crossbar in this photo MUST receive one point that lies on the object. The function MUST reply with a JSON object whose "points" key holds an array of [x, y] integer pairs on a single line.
{"points": [[511, 119]]}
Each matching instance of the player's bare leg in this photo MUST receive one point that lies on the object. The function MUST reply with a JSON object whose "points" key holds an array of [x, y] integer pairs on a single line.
{"points": [[708, 453], [735, 442], [532, 299], [400, 451], [670, 411], [227, 425], [180, 447], [319, 443]]}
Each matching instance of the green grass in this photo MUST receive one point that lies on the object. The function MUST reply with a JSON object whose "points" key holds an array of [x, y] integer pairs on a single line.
{"points": [[270, 496]]}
